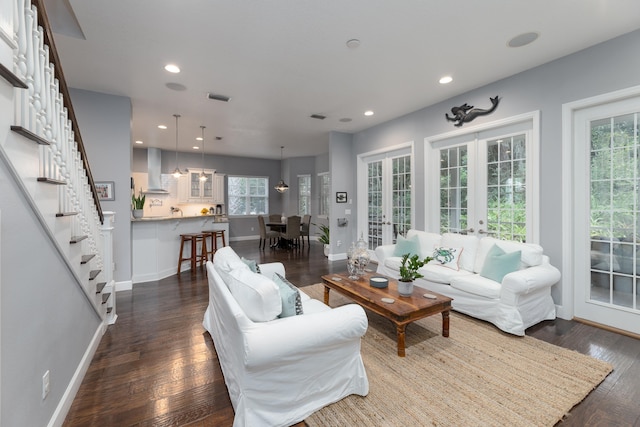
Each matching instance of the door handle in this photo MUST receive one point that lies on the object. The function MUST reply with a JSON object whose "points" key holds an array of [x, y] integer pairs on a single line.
{"points": [[485, 232], [469, 230]]}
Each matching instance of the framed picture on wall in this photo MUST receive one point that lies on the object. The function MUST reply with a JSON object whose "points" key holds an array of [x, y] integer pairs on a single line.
{"points": [[341, 197], [105, 190]]}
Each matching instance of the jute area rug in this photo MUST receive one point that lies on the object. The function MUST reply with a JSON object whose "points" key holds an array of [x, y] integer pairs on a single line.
{"points": [[478, 376]]}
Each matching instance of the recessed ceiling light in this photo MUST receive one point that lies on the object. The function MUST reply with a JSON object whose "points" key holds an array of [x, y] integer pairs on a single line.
{"points": [[199, 138], [195, 147], [368, 113], [445, 79], [523, 39], [162, 127], [139, 142], [172, 68]]}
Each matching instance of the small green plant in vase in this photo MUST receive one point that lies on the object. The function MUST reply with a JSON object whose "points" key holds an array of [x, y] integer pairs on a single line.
{"points": [[137, 204], [323, 237], [409, 272]]}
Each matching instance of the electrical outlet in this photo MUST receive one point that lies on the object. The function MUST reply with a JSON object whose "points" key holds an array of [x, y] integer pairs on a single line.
{"points": [[45, 385]]}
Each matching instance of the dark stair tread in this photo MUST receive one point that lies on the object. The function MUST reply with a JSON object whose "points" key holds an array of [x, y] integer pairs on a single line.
{"points": [[12, 78], [47, 180], [93, 274], [60, 214], [86, 258], [109, 310], [30, 135], [76, 239], [100, 286], [105, 297]]}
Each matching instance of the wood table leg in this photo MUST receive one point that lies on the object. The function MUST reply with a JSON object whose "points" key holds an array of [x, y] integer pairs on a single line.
{"points": [[445, 323], [326, 295], [400, 331], [193, 255]]}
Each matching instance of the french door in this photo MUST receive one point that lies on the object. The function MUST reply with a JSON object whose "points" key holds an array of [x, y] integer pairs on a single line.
{"points": [[606, 229], [485, 183], [385, 191]]}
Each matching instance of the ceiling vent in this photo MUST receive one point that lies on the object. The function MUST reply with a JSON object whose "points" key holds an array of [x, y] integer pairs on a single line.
{"points": [[318, 116], [218, 97]]}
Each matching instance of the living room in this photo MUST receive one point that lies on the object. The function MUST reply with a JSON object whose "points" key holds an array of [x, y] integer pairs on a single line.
{"points": [[545, 89]]}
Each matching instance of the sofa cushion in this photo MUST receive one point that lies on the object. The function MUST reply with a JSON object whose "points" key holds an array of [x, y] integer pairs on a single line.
{"points": [[225, 259], [427, 240], [409, 246], [290, 297], [257, 295], [477, 285], [436, 273], [447, 257], [531, 254], [498, 263], [470, 245]]}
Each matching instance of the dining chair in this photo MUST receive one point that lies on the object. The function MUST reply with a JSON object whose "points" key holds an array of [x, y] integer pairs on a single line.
{"points": [[292, 233], [265, 234], [305, 229]]}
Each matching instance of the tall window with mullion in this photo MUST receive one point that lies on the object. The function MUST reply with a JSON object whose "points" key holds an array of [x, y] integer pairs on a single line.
{"points": [[324, 189], [304, 195], [248, 195]]}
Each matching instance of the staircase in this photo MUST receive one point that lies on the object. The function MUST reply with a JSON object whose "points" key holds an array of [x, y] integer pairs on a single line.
{"points": [[44, 154]]}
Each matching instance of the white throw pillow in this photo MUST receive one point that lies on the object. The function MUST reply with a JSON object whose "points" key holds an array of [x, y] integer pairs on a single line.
{"points": [[447, 257], [257, 295], [470, 245], [427, 240]]}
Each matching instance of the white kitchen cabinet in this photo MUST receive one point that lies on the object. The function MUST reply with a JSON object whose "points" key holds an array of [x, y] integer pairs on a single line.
{"points": [[218, 189], [192, 190]]}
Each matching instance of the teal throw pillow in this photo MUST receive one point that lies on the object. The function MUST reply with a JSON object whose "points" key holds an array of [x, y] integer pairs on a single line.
{"points": [[407, 246], [498, 263], [290, 296], [253, 265]]}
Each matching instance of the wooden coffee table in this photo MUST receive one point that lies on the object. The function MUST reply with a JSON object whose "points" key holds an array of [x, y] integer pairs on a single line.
{"points": [[401, 312]]}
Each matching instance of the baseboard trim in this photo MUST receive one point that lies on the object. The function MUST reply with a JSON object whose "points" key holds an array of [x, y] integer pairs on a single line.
{"points": [[127, 285], [59, 415], [607, 328]]}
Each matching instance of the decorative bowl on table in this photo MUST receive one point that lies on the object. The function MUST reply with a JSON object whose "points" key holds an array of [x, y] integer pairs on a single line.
{"points": [[379, 282]]}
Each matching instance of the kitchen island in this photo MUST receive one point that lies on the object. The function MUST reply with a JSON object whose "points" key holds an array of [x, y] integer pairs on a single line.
{"points": [[156, 242]]}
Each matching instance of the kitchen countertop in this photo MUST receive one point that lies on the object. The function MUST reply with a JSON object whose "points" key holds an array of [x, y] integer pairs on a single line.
{"points": [[216, 218]]}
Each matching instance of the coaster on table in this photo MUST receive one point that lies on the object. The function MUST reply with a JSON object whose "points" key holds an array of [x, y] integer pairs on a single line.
{"points": [[387, 300], [430, 296]]}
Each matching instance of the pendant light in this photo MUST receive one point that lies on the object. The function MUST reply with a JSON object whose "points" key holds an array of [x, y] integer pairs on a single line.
{"points": [[177, 173], [281, 187], [203, 177]]}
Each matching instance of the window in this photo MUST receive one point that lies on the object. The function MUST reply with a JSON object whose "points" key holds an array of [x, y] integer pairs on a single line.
{"points": [[248, 195], [324, 187], [304, 195]]}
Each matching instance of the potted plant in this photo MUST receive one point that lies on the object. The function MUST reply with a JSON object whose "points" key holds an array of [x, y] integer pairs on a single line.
{"points": [[137, 204], [324, 237], [409, 272]]}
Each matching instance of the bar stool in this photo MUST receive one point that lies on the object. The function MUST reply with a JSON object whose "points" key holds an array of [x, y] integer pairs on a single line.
{"points": [[193, 238], [214, 234]]}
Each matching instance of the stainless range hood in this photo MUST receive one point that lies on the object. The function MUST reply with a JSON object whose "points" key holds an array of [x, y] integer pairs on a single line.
{"points": [[154, 162]]}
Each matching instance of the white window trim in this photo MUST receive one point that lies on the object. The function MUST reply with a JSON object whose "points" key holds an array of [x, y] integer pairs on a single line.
{"points": [[320, 174], [248, 176]]}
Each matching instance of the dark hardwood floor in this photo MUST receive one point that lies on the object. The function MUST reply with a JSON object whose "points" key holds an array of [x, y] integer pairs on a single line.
{"points": [[157, 366]]}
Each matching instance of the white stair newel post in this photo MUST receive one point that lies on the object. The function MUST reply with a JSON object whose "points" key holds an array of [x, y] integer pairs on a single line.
{"points": [[106, 231]]}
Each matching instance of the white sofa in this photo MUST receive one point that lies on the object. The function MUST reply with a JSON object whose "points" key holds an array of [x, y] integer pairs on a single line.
{"points": [[279, 371], [521, 299]]}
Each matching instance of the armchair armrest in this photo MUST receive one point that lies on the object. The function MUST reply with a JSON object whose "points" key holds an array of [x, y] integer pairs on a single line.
{"points": [[298, 337], [383, 252], [272, 267]]}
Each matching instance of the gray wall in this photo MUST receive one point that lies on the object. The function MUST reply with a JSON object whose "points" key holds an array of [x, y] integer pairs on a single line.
{"points": [[47, 322], [607, 67], [343, 179], [105, 126]]}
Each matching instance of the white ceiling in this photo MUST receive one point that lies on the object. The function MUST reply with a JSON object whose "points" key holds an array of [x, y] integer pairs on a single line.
{"points": [[282, 60]]}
